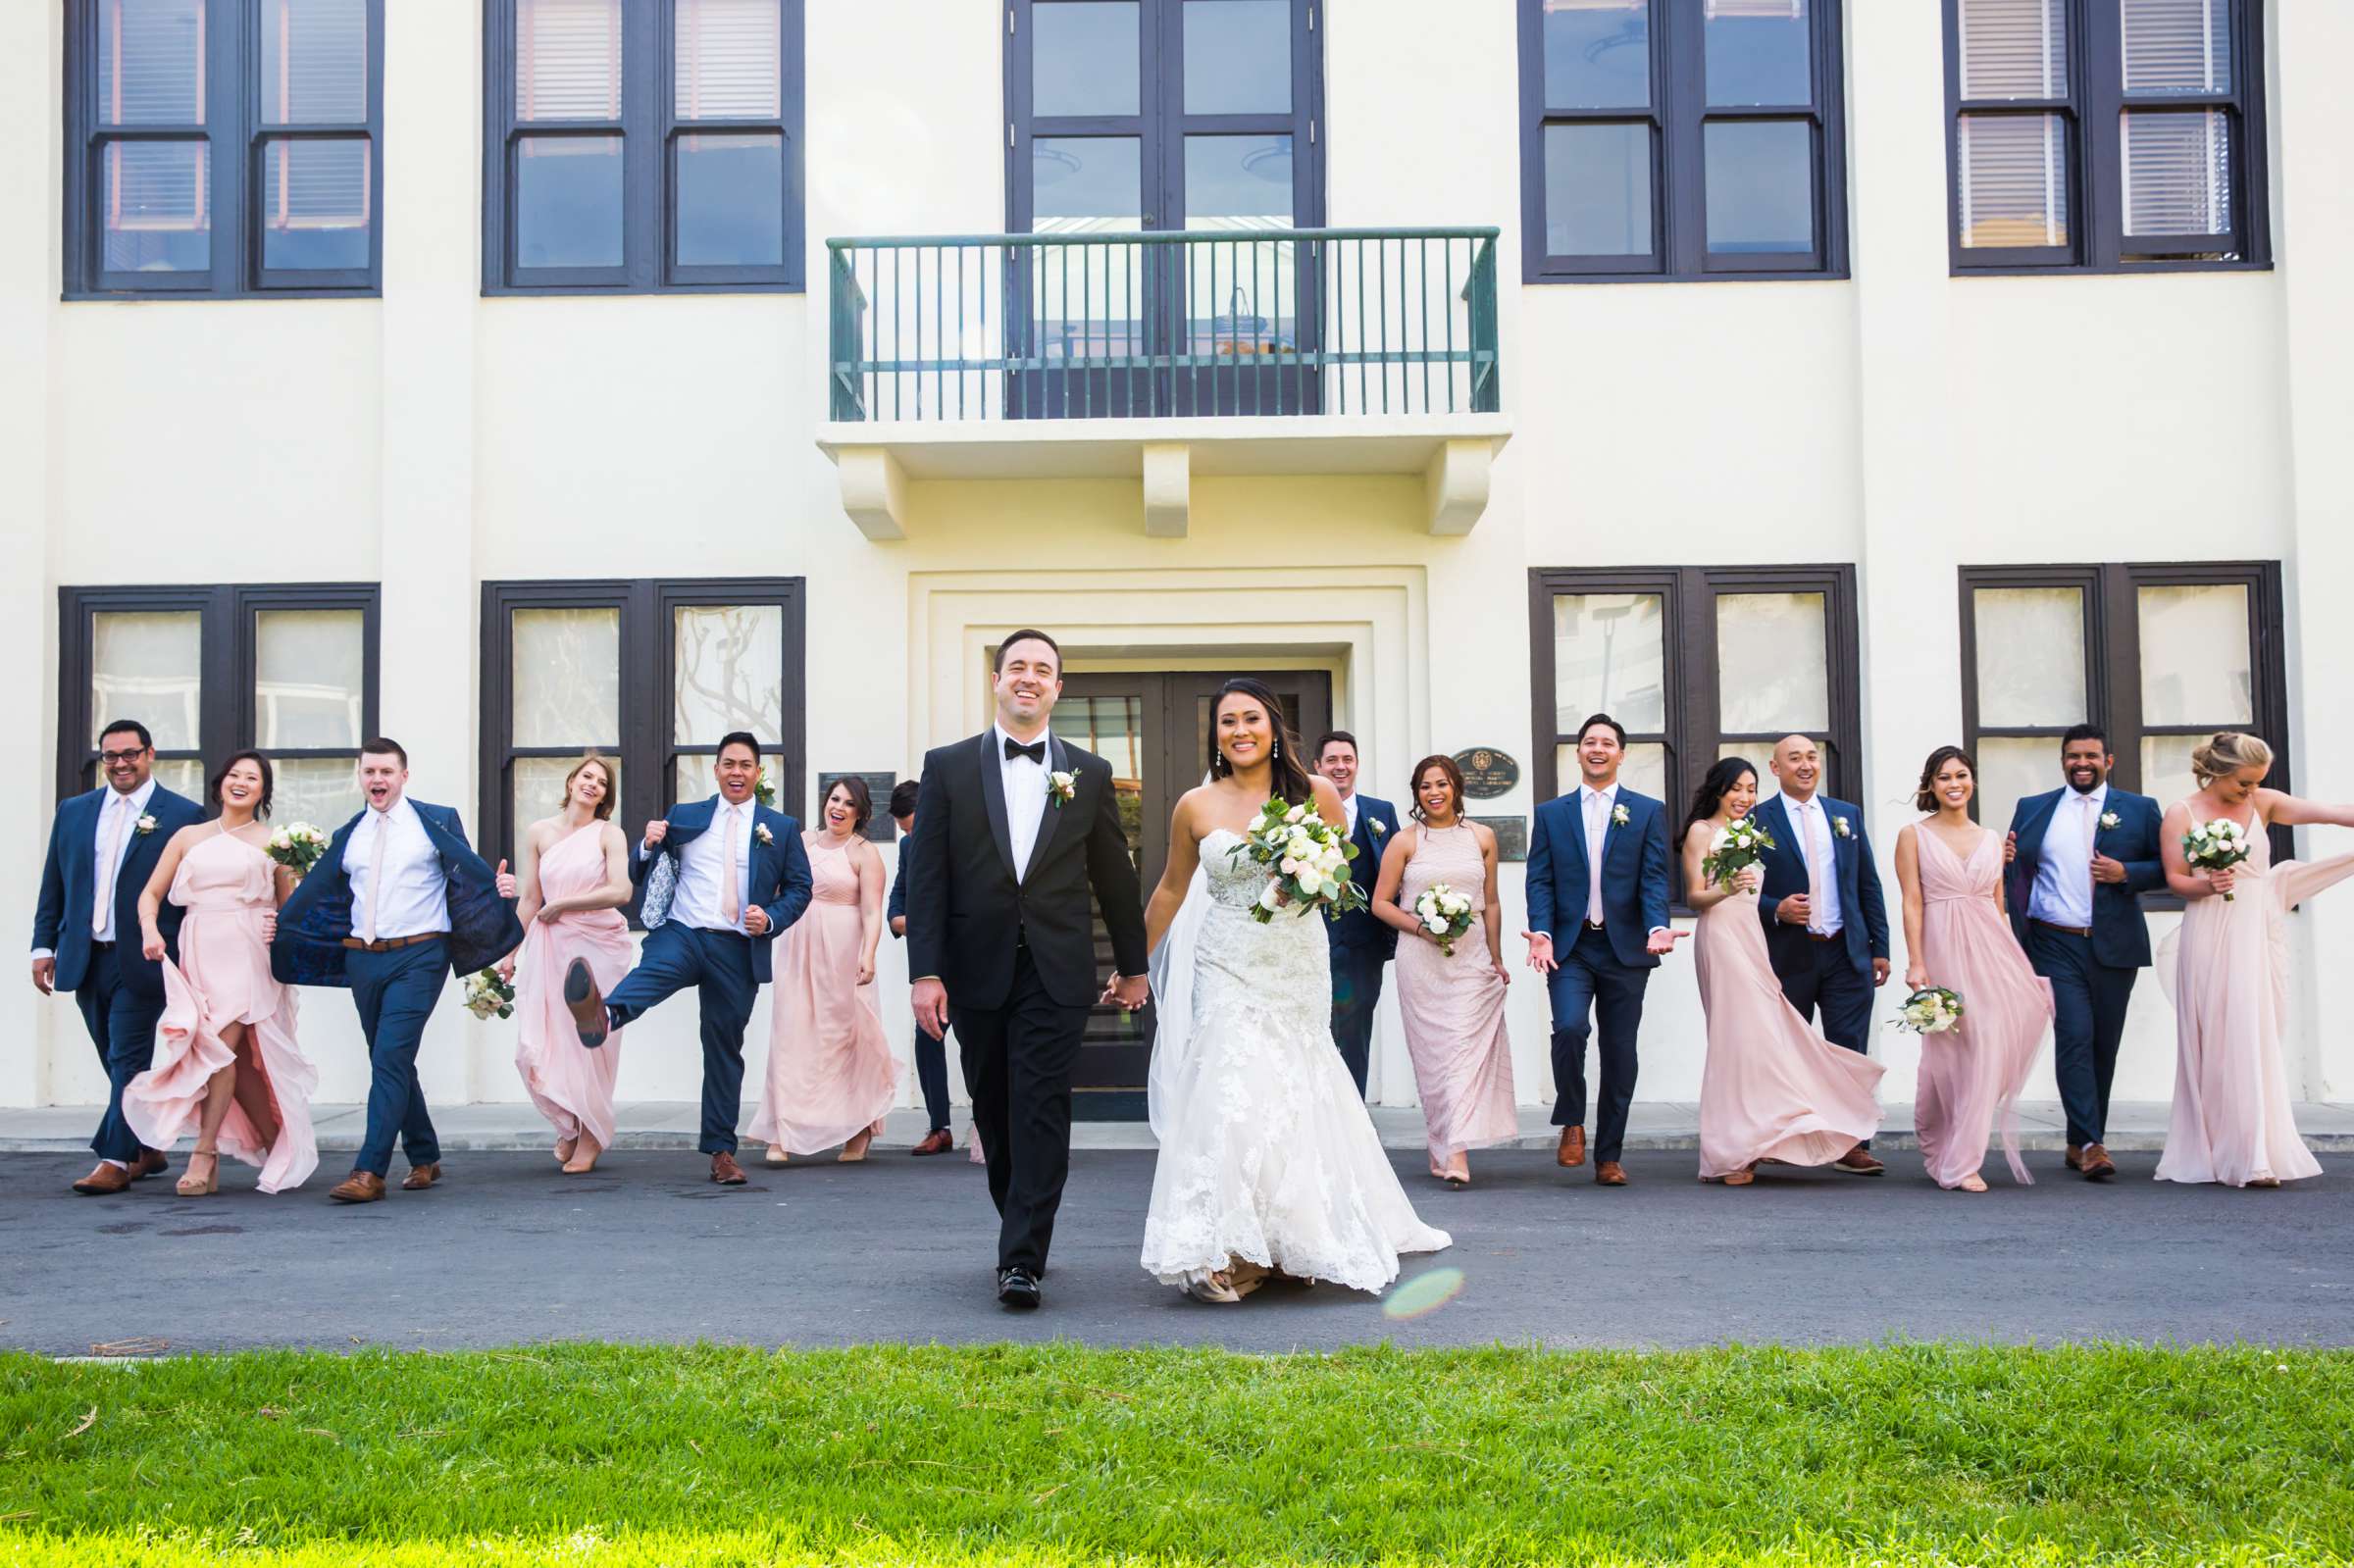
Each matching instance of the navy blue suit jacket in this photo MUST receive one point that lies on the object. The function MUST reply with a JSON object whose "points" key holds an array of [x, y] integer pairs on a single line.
{"points": [[1634, 876], [1358, 928], [1863, 910], [780, 869], [483, 929], [897, 908], [60, 916], [2121, 935]]}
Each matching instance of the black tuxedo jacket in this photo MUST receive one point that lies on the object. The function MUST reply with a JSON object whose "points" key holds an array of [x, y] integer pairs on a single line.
{"points": [[966, 910]]}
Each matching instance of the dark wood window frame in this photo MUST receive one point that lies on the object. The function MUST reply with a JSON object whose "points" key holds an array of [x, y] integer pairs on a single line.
{"points": [[649, 128], [2091, 106], [646, 753], [226, 652], [1678, 117], [232, 168]]}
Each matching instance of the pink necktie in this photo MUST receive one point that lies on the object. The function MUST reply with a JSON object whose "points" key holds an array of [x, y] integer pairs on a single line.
{"points": [[1594, 843], [1814, 868], [731, 900], [117, 812], [376, 874]]}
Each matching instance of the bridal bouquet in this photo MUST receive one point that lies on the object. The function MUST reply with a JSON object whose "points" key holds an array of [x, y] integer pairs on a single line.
{"points": [[1737, 846], [488, 996], [297, 846], [1931, 1011], [1444, 913], [1306, 861], [2215, 845]]}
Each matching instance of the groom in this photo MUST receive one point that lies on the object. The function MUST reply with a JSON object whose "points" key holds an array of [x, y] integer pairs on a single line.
{"points": [[1017, 829]]}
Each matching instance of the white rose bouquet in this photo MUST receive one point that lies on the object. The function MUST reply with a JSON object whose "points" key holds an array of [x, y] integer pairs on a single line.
{"points": [[1931, 1011], [1444, 913], [1737, 846], [2215, 845], [297, 846], [488, 996], [1306, 861]]}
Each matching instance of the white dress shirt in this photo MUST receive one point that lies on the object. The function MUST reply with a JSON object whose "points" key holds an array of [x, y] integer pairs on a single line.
{"points": [[1812, 824], [702, 869], [1597, 804], [118, 814], [2063, 891], [1025, 797], [415, 898]]}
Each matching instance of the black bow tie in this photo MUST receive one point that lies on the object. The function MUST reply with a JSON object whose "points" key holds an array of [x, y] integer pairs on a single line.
{"points": [[1036, 750]]}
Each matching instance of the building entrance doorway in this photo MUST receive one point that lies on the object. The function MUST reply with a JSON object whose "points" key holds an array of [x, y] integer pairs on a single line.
{"points": [[1154, 729]]}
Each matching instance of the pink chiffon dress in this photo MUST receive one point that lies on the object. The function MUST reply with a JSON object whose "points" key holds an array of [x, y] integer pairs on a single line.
{"points": [[831, 1072], [1971, 1075], [223, 977], [571, 1084], [1772, 1087], [2233, 1120], [1453, 1008]]}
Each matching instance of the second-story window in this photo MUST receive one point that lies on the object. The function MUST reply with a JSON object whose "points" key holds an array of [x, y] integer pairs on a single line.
{"points": [[643, 147], [1681, 139]]}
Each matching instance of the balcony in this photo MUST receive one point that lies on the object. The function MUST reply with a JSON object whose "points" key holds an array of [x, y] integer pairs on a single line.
{"points": [[1157, 356]]}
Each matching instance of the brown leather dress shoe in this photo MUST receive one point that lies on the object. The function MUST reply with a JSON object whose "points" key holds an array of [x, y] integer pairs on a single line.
{"points": [[940, 1140], [360, 1187], [1858, 1161], [586, 1003], [725, 1171], [421, 1177], [151, 1162], [2097, 1165], [104, 1182], [1609, 1173], [1573, 1147], [2076, 1156]]}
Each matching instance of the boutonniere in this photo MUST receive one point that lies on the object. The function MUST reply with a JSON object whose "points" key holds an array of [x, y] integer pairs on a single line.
{"points": [[1062, 788], [2108, 819], [1839, 826], [144, 826], [1378, 826], [761, 833], [1620, 817]]}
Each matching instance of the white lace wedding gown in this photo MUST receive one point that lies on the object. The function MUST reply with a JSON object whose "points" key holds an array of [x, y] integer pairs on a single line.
{"points": [[1267, 1152]]}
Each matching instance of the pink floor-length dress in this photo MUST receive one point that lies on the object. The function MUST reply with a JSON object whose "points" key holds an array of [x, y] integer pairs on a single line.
{"points": [[1971, 1075], [831, 1073], [1453, 1008], [2232, 1118], [1772, 1088], [571, 1084], [227, 888]]}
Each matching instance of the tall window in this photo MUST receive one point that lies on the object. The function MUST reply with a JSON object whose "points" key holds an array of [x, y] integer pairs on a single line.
{"points": [[224, 147], [1681, 139], [288, 668], [2107, 134], [2160, 656], [649, 145], [649, 673]]}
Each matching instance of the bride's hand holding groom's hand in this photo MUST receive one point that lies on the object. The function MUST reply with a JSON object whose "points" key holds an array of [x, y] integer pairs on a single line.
{"points": [[1130, 992]]}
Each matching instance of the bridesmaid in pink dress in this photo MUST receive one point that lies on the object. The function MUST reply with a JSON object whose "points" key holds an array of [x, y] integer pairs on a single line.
{"points": [[572, 881], [1956, 936], [1453, 1007], [2233, 1120], [226, 1060], [831, 1075], [1773, 1088]]}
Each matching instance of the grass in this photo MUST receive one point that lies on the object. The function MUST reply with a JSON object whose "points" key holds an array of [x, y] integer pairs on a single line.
{"points": [[1060, 1455]]}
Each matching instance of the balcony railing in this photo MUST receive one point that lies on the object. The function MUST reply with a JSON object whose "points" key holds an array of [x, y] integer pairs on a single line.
{"points": [[1198, 322]]}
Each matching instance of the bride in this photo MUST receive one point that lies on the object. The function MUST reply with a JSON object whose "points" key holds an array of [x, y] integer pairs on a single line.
{"points": [[1268, 1163]]}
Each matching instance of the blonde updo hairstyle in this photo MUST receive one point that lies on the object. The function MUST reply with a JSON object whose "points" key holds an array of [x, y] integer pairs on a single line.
{"points": [[2224, 753]]}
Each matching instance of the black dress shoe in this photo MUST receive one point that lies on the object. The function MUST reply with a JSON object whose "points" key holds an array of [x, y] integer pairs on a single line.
{"points": [[1017, 1288]]}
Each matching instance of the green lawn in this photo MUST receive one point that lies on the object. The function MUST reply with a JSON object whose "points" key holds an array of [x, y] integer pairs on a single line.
{"points": [[599, 1455]]}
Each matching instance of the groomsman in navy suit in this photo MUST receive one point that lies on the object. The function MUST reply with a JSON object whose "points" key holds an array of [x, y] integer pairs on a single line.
{"points": [[1360, 944], [931, 1053], [1598, 864], [2081, 857], [85, 930], [398, 903], [722, 878], [1827, 924]]}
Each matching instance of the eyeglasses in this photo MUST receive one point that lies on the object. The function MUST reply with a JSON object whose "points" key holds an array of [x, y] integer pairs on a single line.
{"points": [[110, 758]]}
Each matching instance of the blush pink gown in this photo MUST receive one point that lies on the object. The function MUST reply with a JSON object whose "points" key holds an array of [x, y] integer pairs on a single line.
{"points": [[223, 976], [571, 1084], [1453, 1008], [1772, 1088], [2233, 1120], [1971, 1075], [831, 1073]]}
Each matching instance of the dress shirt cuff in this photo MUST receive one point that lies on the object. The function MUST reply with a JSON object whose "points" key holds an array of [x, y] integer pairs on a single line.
{"points": [[1656, 930], [920, 979], [40, 953]]}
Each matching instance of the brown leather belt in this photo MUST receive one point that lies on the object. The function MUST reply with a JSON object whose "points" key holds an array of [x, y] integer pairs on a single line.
{"points": [[1825, 936], [2070, 931], [385, 945]]}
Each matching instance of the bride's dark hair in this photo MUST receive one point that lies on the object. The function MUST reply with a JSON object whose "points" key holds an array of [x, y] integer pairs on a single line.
{"points": [[1292, 780]]}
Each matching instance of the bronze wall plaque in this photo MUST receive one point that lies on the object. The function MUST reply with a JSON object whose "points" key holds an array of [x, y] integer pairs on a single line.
{"points": [[1488, 773], [1511, 835]]}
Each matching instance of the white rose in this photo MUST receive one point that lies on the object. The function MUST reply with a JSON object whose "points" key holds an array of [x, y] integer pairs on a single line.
{"points": [[1295, 814], [1311, 884], [1434, 924], [1290, 865], [1272, 899]]}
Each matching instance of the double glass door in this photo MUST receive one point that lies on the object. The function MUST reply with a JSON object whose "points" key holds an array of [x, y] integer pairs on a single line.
{"points": [[1134, 116], [1154, 729]]}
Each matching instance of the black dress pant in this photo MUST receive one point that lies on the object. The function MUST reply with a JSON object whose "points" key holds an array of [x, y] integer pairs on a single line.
{"points": [[1356, 993], [1588, 987], [1017, 1064]]}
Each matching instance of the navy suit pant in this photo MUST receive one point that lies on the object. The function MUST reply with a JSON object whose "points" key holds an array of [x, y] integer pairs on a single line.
{"points": [[1356, 993], [932, 1073], [1819, 976], [2090, 999], [395, 992], [719, 965], [1590, 986], [122, 1025]]}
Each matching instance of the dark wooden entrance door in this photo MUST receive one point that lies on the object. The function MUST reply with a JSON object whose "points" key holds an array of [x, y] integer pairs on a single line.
{"points": [[1155, 732]]}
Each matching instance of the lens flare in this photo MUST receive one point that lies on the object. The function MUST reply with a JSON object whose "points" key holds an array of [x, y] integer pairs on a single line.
{"points": [[1422, 1294]]}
